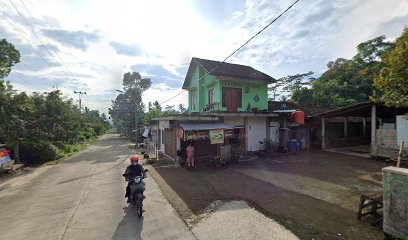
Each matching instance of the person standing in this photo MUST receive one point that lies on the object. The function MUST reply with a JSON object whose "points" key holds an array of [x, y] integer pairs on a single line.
{"points": [[190, 155]]}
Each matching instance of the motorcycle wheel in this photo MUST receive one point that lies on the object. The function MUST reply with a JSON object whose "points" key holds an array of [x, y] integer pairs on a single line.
{"points": [[140, 210]]}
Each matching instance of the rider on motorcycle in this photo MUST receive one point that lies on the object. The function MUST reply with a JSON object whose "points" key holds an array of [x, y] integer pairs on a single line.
{"points": [[133, 170]]}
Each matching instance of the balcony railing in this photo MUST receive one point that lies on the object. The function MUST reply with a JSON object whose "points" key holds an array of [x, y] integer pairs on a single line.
{"points": [[215, 106]]}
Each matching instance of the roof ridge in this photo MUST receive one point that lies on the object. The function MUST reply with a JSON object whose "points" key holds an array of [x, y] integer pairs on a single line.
{"points": [[223, 62], [218, 68]]}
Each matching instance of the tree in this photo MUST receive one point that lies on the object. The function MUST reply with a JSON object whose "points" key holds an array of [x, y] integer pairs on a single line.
{"points": [[346, 81], [9, 56], [17, 117], [181, 108], [169, 109], [372, 50], [393, 79], [42, 126], [157, 105], [296, 82], [286, 86], [275, 88], [128, 104]]}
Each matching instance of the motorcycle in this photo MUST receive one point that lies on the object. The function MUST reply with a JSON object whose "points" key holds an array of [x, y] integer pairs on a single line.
{"points": [[136, 188]]}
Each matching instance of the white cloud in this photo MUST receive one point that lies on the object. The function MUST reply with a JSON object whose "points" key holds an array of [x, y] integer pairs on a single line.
{"points": [[163, 35]]}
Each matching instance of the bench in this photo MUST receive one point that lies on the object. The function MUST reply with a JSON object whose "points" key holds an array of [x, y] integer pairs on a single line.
{"points": [[369, 205]]}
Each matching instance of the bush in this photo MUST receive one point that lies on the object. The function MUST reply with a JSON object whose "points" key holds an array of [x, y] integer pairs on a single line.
{"points": [[38, 152], [98, 129], [68, 148]]}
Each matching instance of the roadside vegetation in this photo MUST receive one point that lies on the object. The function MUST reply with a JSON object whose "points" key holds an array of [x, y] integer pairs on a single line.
{"points": [[128, 105], [41, 127], [379, 71]]}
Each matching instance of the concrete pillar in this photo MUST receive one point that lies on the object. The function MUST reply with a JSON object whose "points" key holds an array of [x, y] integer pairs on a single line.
{"points": [[345, 128], [364, 127], [395, 200], [323, 133], [373, 125], [373, 129]]}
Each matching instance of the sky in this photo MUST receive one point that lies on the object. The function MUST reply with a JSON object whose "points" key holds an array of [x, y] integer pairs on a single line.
{"points": [[87, 45]]}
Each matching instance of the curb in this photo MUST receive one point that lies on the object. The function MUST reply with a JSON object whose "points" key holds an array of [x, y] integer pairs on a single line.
{"points": [[164, 187]]}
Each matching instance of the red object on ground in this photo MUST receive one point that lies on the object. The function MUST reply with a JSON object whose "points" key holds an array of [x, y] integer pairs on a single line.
{"points": [[298, 117]]}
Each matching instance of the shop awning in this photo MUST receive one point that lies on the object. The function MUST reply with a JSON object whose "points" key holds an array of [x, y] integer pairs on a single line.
{"points": [[204, 126]]}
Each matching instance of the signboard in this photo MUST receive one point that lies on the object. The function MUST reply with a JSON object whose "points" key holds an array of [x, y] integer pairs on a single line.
{"points": [[190, 135], [196, 135], [202, 135], [217, 136], [229, 133]]}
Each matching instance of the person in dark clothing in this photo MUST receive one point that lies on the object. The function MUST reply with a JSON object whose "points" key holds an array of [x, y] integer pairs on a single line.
{"points": [[133, 170]]}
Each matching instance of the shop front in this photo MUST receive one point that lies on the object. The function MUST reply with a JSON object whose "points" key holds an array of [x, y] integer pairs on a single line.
{"points": [[208, 140]]}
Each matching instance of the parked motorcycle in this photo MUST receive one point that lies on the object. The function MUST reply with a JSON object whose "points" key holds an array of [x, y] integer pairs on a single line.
{"points": [[136, 197]]}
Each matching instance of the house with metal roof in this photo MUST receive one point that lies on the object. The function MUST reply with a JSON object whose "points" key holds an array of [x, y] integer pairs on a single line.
{"points": [[366, 129], [223, 97], [226, 87]]}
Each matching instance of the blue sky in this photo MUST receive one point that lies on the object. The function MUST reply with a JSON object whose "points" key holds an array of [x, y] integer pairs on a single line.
{"points": [[89, 45]]}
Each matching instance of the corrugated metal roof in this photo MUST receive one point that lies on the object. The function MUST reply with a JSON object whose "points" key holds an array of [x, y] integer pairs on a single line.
{"points": [[204, 126], [217, 68], [284, 111]]}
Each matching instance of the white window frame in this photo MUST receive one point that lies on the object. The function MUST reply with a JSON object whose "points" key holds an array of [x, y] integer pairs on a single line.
{"points": [[193, 101], [211, 96]]}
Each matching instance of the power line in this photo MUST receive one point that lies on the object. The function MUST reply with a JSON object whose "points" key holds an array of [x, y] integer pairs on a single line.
{"points": [[259, 32], [174, 96], [23, 34], [263, 29], [28, 40], [36, 50], [35, 23], [36, 35]]}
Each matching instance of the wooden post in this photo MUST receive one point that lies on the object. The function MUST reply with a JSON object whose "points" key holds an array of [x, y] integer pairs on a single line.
{"points": [[373, 126], [323, 133], [345, 128], [364, 127], [400, 153]]}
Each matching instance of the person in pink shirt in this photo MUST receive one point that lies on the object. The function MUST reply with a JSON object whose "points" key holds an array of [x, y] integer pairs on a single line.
{"points": [[190, 155]]}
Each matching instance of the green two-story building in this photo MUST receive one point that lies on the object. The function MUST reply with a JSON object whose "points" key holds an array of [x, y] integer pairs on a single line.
{"points": [[224, 87], [222, 96]]}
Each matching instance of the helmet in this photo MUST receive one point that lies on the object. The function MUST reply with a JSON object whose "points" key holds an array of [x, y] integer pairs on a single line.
{"points": [[134, 159]]}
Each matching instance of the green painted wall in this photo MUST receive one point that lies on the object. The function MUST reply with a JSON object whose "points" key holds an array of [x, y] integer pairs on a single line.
{"points": [[193, 88], [249, 91]]}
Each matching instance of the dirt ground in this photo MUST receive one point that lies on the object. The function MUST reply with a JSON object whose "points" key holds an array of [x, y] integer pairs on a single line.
{"points": [[307, 215]]}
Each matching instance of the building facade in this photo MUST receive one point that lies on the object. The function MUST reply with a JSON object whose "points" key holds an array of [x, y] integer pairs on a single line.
{"points": [[224, 97]]}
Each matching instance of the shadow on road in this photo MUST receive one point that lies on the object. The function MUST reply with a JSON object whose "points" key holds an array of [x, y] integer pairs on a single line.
{"points": [[82, 177], [131, 226]]}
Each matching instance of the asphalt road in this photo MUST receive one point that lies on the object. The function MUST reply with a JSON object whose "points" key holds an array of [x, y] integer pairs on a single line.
{"points": [[83, 198]]}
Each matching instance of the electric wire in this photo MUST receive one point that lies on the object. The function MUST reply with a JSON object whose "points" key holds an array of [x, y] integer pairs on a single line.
{"points": [[36, 36], [250, 39], [35, 23]]}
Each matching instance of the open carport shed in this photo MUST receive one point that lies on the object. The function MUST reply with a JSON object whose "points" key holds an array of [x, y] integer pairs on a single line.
{"points": [[354, 125]]}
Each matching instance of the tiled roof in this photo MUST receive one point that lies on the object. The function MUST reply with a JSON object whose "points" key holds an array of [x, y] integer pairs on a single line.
{"points": [[217, 68]]}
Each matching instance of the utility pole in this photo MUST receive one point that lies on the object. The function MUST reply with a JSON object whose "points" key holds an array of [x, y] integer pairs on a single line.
{"points": [[80, 93]]}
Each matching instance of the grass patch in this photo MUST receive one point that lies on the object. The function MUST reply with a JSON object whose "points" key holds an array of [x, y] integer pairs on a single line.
{"points": [[69, 150]]}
